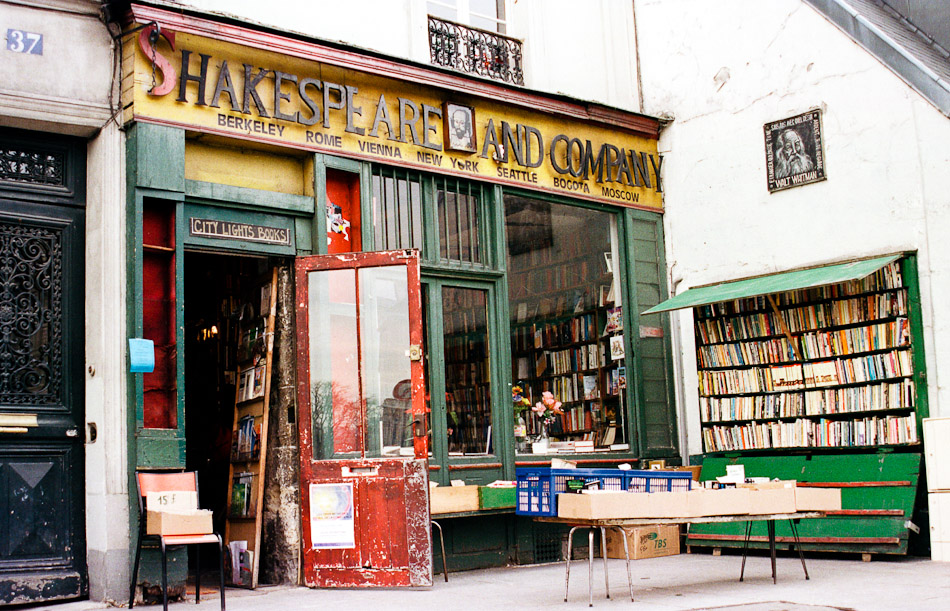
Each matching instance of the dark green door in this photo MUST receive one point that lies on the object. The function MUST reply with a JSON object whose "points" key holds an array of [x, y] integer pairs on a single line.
{"points": [[42, 536]]}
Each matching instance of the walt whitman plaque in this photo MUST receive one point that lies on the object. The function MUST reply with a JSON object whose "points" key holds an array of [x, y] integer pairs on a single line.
{"points": [[793, 151]]}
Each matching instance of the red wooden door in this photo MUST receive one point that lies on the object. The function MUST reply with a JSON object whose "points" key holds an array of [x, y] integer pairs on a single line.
{"points": [[363, 443]]}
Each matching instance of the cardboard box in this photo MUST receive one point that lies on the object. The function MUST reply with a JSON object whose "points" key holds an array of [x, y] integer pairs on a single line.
{"points": [[645, 542], [613, 505], [496, 498], [449, 499], [696, 470], [938, 505], [937, 453], [192, 522], [722, 502], [604, 504], [771, 497], [817, 499]]}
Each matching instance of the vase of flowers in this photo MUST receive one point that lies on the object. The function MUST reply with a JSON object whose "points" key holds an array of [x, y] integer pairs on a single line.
{"points": [[547, 411], [520, 404]]}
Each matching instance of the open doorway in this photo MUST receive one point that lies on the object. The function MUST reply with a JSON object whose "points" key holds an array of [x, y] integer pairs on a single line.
{"points": [[222, 295]]}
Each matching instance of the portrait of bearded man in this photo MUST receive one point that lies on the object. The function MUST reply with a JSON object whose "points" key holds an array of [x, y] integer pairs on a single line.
{"points": [[790, 155]]}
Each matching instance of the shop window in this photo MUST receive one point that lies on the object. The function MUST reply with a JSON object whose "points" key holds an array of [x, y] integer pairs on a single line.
{"points": [[467, 360], [566, 327], [160, 400], [397, 209], [343, 212], [484, 14], [460, 221]]}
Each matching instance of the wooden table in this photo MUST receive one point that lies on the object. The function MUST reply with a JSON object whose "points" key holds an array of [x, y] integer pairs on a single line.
{"points": [[621, 523]]}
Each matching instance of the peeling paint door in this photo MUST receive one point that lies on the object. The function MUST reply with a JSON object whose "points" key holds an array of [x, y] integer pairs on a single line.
{"points": [[363, 443]]}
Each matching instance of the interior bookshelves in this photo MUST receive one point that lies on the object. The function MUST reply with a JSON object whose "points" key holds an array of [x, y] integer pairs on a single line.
{"points": [[253, 363], [567, 338], [819, 385], [826, 367]]}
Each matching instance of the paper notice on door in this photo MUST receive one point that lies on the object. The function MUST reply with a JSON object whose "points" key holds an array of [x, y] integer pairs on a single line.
{"points": [[331, 516]]}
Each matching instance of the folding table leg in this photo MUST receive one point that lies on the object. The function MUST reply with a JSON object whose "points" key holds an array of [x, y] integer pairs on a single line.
{"points": [[197, 574], [798, 545], [590, 566], [771, 524], [626, 555], [445, 570], [567, 561], [603, 552], [745, 548]]}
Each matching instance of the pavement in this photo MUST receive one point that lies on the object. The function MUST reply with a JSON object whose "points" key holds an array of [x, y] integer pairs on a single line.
{"points": [[682, 582]]}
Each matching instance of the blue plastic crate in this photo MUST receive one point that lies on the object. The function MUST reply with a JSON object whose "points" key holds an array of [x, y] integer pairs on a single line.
{"points": [[538, 487], [658, 481]]}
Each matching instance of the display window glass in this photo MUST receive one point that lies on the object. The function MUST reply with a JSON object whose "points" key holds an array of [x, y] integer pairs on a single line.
{"points": [[569, 380]]}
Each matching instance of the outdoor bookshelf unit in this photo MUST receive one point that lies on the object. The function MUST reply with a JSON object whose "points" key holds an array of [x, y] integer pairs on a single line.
{"points": [[818, 383], [249, 434]]}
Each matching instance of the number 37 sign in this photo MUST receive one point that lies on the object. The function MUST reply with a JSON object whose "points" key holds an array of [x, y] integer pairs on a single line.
{"points": [[19, 41]]}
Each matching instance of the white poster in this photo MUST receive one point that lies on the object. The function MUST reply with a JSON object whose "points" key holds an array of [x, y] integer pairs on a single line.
{"points": [[331, 516]]}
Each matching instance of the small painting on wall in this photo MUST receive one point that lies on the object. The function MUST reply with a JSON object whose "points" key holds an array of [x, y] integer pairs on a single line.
{"points": [[793, 151]]}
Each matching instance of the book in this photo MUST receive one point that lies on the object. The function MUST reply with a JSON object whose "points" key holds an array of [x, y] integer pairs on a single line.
{"points": [[614, 320], [616, 347]]}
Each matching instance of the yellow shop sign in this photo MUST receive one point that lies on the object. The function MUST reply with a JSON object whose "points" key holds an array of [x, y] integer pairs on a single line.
{"points": [[219, 87]]}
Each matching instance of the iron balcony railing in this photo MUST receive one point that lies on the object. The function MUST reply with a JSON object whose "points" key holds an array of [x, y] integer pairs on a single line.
{"points": [[475, 51]]}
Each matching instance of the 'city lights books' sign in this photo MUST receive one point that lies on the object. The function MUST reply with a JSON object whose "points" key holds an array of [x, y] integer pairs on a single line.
{"points": [[793, 151], [219, 87], [228, 230]]}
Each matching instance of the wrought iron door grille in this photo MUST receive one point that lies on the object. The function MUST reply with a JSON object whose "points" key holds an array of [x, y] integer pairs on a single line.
{"points": [[32, 167], [475, 51], [31, 278]]}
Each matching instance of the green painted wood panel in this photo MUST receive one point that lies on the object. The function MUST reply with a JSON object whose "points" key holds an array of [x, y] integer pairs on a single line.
{"points": [[242, 196], [655, 410], [866, 467], [157, 157]]}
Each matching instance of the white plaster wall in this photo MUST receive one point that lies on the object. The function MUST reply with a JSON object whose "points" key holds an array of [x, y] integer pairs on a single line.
{"points": [[725, 70], [66, 88], [582, 49]]}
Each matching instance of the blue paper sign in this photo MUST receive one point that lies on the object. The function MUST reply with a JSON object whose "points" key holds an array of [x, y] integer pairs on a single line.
{"points": [[141, 355]]}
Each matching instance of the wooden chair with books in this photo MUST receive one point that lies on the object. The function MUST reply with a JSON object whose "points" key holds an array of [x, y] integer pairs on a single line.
{"points": [[181, 523]]}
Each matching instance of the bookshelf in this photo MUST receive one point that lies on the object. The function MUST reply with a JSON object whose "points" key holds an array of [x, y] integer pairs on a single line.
{"points": [[824, 367], [253, 362], [567, 338]]}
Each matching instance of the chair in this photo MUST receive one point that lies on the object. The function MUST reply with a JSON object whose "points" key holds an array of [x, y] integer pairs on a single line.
{"points": [[146, 482]]}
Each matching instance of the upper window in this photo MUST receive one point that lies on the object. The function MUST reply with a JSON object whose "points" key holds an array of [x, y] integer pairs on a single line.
{"points": [[468, 35], [484, 14]]}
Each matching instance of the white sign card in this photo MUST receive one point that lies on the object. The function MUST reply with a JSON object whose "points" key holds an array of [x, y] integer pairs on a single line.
{"points": [[331, 516]]}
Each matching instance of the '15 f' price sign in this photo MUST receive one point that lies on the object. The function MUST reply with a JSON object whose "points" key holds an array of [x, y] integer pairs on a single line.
{"points": [[19, 41]]}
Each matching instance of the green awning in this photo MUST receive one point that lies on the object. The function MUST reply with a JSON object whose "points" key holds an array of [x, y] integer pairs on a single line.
{"points": [[773, 283]]}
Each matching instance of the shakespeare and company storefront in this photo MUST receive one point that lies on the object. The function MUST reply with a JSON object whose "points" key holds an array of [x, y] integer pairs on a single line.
{"points": [[534, 229]]}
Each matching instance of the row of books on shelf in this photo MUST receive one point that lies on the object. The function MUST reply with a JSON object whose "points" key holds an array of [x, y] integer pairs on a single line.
{"points": [[468, 399], [808, 318], [888, 396], [468, 373], [870, 368], [803, 433], [566, 250], [251, 382], [251, 342], [466, 347], [466, 321], [886, 278], [820, 344], [246, 439], [580, 418], [243, 494], [587, 356]]}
